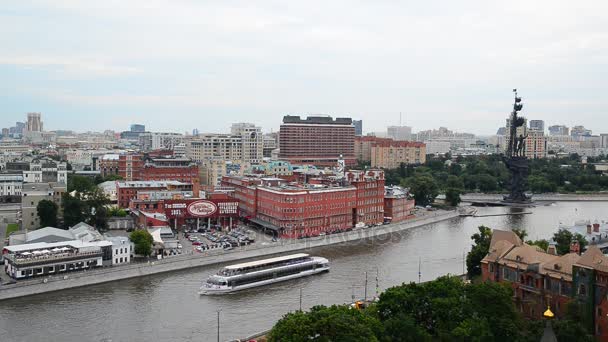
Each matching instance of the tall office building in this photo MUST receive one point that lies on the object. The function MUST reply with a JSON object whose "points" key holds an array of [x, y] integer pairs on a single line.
{"points": [[580, 131], [252, 141], [317, 140], [399, 132], [537, 125], [139, 128], [34, 122], [559, 130], [604, 140], [358, 127]]}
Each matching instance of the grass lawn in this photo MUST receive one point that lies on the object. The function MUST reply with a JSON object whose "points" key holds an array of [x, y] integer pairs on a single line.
{"points": [[12, 227]]}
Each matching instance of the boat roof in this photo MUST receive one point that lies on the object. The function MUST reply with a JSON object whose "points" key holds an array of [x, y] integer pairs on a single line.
{"points": [[266, 261]]}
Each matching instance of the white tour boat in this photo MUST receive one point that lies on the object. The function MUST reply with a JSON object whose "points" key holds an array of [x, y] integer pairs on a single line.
{"points": [[263, 272]]}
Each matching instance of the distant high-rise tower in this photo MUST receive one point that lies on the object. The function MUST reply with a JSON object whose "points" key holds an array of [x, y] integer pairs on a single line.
{"points": [[34, 123], [559, 130], [139, 128], [537, 125], [358, 127], [399, 132]]}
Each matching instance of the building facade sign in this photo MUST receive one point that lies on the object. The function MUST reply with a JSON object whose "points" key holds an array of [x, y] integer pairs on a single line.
{"points": [[202, 208]]}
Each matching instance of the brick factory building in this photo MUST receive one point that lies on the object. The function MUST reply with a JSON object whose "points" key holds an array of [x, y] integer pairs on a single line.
{"points": [[317, 140], [109, 165], [127, 191], [130, 165], [303, 210], [397, 204], [139, 167], [217, 211]]}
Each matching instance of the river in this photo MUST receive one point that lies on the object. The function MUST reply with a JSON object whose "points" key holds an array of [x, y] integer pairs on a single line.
{"points": [[167, 307]]}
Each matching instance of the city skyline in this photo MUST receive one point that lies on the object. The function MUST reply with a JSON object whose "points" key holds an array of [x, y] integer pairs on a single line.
{"points": [[247, 63]]}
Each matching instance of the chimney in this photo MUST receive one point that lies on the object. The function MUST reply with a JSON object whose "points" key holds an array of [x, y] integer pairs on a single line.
{"points": [[588, 229], [575, 247], [552, 249], [596, 227]]}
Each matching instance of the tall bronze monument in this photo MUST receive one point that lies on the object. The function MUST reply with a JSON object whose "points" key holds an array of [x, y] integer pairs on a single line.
{"points": [[515, 158]]}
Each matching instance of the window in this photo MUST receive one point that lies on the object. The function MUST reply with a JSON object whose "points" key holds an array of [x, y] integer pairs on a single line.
{"points": [[582, 290]]}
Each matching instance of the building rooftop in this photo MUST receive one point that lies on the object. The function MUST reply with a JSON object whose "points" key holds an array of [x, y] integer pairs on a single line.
{"points": [[51, 245], [149, 184], [317, 120]]}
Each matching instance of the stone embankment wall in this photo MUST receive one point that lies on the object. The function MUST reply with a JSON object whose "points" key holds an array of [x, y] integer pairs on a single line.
{"points": [[539, 197], [378, 235]]}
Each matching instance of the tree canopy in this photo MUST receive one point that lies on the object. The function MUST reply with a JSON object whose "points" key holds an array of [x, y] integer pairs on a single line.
{"points": [[489, 174], [47, 212], [142, 241], [442, 310], [564, 239], [424, 189], [479, 250]]}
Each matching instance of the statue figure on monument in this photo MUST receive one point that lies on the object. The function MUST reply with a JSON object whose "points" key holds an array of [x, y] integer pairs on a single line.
{"points": [[521, 144], [515, 158]]}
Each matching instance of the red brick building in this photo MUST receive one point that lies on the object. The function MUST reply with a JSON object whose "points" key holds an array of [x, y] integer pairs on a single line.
{"points": [[539, 279], [127, 191], [317, 140], [369, 185], [193, 212], [174, 169], [130, 166], [397, 204], [109, 165], [300, 210]]}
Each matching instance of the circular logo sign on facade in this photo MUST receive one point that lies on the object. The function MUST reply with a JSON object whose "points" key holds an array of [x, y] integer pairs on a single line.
{"points": [[202, 208]]}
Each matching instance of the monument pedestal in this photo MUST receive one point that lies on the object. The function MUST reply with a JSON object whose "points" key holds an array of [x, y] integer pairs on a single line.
{"points": [[518, 166]]}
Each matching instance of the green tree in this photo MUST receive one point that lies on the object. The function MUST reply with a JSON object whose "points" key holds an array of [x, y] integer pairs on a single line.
{"points": [[564, 238], [479, 250], [74, 210], [96, 202], [47, 212], [521, 233], [424, 188], [336, 323], [449, 310], [544, 244], [142, 241], [452, 196], [80, 184], [118, 212]]}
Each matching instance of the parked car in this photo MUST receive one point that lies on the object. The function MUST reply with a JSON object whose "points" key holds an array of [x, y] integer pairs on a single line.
{"points": [[196, 243], [179, 246]]}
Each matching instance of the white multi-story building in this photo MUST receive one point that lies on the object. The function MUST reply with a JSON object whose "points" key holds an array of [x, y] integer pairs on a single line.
{"points": [[149, 141], [437, 147], [252, 141], [244, 145], [40, 172], [122, 249], [11, 185], [399, 132]]}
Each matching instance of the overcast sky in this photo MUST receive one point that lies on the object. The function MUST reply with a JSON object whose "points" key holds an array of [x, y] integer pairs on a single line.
{"points": [[178, 65]]}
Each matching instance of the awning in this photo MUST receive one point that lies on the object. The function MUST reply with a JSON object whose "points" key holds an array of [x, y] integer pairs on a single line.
{"points": [[265, 224]]}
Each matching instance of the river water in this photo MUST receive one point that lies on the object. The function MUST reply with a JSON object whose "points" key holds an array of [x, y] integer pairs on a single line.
{"points": [[167, 307]]}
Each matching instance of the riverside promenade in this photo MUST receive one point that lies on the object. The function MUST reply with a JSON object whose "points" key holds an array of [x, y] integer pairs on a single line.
{"points": [[478, 197], [379, 235]]}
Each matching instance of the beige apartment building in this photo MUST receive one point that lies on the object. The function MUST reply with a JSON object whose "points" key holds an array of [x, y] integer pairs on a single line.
{"points": [[390, 154]]}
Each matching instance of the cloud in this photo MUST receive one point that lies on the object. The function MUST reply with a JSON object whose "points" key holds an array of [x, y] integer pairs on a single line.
{"points": [[441, 62], [70, 66]]}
